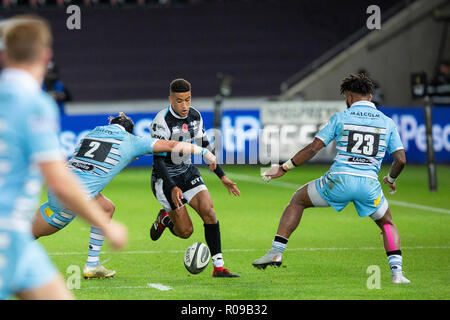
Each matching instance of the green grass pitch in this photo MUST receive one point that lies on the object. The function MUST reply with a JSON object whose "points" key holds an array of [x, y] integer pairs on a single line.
{"points": [[327, 256]]}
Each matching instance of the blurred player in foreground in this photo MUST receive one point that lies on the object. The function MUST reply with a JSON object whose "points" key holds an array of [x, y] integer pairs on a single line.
{"points": [[363, 135], [29, 149], [176, 183], [99, 157]]}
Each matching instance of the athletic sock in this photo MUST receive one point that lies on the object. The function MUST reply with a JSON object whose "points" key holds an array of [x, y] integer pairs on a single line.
{"points": [[395, 261], [167, 222], [212, 237], [279, 243], [217, 261], [95, 245]]}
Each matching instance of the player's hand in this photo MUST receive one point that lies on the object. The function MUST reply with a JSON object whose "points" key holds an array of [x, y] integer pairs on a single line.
{"points": [[392, 187], [210, 159], [273, 173], [117, 234], [231, 186], [177, 195]]}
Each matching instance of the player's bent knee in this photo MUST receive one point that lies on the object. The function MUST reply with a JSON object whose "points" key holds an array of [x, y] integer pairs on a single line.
{"points": [[186, 233], [106, 204], [109, 207], [112, 209]]}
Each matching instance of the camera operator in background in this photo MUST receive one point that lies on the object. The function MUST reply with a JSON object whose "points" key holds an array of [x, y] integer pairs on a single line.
{"points": [[440, 85], [55, 87]]}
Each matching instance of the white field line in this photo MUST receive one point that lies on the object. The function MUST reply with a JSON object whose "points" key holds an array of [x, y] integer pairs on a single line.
{"points": [[157, 286], [294, 186], [418, 206], [117, 288], [244, 250]]}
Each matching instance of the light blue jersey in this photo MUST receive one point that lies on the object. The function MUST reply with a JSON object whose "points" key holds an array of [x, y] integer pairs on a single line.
{"points": [[28, 136], [363, 135], [97, 159], [104, 152]]}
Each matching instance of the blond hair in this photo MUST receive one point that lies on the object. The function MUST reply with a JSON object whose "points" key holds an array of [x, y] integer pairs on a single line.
{"points": [[25, 37]]}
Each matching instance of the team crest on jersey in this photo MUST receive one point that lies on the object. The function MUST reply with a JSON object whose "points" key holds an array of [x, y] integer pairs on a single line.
{"points": [[185, 127]]}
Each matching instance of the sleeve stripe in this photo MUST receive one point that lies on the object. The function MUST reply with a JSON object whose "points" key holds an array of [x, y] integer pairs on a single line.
{"points": [[320, 138], [153, 143], [399, 148]]}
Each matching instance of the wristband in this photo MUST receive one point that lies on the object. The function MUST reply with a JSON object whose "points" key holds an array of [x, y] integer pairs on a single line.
{"points": [[288, 165], [200, 150], [390, 179]]}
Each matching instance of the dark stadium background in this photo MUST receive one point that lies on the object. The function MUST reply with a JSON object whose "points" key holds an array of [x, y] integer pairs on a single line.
{"points": [[127, 52]]}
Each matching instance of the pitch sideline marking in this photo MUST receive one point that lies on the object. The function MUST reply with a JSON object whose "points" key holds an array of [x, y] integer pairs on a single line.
{"points": [[289, 185], [159, 286], [117, 288]]}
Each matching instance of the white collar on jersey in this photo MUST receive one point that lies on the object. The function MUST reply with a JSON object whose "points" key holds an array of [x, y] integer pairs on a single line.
{"points": [[175, 114], [116, 124], [364, 103], [21, 77]]}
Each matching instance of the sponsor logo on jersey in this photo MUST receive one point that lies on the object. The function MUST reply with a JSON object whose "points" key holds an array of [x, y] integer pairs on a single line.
{"points": [[359, 160], [195, 181], [82, 166], [365, 114]]}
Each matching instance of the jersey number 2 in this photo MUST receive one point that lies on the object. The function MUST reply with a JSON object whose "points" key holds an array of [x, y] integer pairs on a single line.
{"points": [[90, 153], [95, 150]]}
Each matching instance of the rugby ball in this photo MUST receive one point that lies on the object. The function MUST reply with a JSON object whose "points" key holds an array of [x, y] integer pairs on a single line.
{"points": [[196, 257]]}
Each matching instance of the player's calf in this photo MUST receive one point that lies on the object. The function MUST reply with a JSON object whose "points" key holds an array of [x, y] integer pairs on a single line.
{"points": [[179, 223], [391, 241]]}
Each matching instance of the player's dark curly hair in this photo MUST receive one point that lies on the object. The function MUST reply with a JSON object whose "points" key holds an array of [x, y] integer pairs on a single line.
{"points": [[124, 121], [359, 83], [180, 85]]}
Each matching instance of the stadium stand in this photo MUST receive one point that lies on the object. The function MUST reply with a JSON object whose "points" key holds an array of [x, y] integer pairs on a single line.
{"points": [[413, 40], [134, 53]]}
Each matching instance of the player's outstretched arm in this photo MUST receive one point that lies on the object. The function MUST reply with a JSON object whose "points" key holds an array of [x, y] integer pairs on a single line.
{"points": [[308, 152], [65, 186], [299, 158], [397, 167], [230, 185], [175, 147]]}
